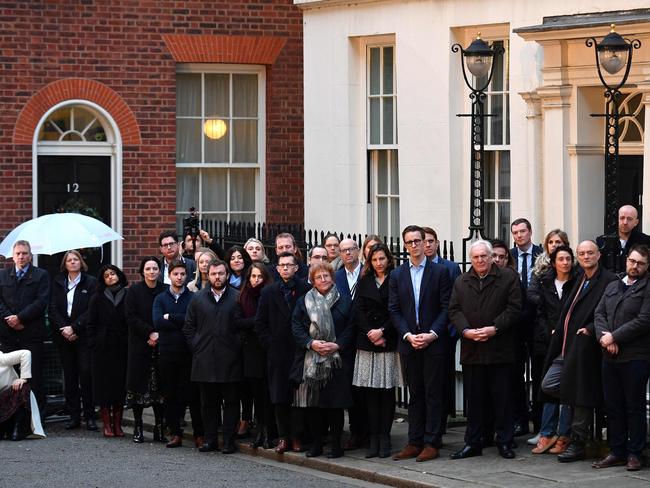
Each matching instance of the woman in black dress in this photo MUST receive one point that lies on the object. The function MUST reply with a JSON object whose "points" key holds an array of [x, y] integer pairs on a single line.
{"points": [[108, 339], [71, 292], [142, 379]]}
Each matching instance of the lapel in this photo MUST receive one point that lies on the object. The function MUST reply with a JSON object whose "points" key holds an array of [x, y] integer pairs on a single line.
{"points": [[282, 305], [426, 277], [592, 284], [409, 288]]}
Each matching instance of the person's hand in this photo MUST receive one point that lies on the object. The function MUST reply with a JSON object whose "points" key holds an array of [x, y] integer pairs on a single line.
{"points": [[374, 335], [489, 332], [153, 339], [18, 384], [477, 335], [13, 321], [320, 347], [67, 331], [606, 339], [166, 316], [381, 342], [612, 349], [583, 331], [205, 237], [72, 338]]}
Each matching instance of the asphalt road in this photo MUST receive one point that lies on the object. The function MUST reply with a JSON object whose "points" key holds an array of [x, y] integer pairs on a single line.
{"points": [[86, 459]]}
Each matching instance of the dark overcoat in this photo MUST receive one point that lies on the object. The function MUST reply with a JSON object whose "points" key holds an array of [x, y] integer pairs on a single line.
{"points": [[58, 311], [273, 327], [138, 309], [581, 380], [253, 354], [337, 393], [494, 302], [213, 338], [371, 312]]}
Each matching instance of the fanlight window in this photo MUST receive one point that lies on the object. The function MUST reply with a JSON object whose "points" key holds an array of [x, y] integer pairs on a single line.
{"points": [[631, 122], [72, 124]]}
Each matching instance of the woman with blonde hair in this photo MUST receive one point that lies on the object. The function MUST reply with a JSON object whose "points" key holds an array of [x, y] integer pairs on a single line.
{"points": [[203, 256], [255, 250]]}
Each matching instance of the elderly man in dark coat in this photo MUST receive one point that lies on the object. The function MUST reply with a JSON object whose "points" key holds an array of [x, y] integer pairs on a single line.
{"points": [[574, 343], [217, 360], [484, 307]]}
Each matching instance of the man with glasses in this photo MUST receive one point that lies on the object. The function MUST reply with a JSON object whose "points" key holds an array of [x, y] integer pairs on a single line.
{"points": [[285, 242], [417, 302], [347, 277], [273, 327], [317, 254], [171, 250], [622, 325]]}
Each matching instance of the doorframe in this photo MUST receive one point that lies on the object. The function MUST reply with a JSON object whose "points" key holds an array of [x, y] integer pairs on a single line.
{"points": [[112, 148]]}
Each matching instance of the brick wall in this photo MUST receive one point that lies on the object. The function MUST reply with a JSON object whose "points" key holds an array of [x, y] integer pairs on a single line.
{"points": [[120, 45]]}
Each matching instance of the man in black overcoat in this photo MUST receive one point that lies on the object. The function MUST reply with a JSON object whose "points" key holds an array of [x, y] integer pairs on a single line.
{"points": [[614, 251], [216, 355]]}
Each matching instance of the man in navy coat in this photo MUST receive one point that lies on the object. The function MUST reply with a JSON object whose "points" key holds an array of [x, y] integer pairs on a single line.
{"points": [[418, 301]]}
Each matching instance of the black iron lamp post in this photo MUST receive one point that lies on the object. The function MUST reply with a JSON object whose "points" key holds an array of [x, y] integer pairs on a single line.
{"points": [[613, 54], [478, 59]]}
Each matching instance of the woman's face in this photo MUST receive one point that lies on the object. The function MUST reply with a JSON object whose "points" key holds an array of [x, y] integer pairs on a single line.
{"points": [[256, 278], [204, 261], [332, 246], [110, 277], [236, 262], [323, 281], [255, 251], [500, 257], [563, 262], [366, 249], [379, 262], [151, 271], [72, 264], [553, 243]]}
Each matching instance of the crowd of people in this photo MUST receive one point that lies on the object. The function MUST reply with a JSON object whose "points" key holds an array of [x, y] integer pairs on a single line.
{"points": [[290, 346]]}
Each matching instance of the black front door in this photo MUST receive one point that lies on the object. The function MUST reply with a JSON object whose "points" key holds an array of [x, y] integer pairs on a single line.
{"points": [[630, 182], [78, 184]]}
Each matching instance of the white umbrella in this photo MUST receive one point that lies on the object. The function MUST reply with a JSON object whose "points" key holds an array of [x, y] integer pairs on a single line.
{"points": [[53, 233]]}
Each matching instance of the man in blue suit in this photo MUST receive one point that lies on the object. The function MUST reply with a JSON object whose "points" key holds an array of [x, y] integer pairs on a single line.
{"points": [[418, 301]]}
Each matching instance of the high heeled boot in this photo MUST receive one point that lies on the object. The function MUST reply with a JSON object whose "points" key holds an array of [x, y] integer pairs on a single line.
{"points": [[20, 430], [118, 410], [105, 414], [158, 428]]}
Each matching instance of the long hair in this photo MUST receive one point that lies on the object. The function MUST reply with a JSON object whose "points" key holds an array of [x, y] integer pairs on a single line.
{"points": [[543, 261], [367, 267], [248, 294], [247, 259], [101, 285]]}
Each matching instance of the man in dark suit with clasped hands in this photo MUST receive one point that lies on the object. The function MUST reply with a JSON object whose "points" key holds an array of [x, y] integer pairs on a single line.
{"points": [[418, 301]]}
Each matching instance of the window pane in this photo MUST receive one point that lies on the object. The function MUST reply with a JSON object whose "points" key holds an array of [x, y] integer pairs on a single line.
{"points": [[81, 118], [188, 140], [375, 67], [244, 138], [218, 150], [214, 190], [214, 217], [242, 190], [504, 221], [382, 216], [394, 216], [374, 121], [243, 217], [244, 89], [388, 120], [489, 175], [187, 189], [95, 133], [489, 221], [382, 172], [496, 121], [394, 173], [217, 95], [188, 94], [61, 118], [507, 110], [497, 77], [388, 70], [504, 174]]}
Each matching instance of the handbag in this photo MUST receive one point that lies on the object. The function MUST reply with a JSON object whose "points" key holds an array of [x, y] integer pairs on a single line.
{"points": [[553, 378]]}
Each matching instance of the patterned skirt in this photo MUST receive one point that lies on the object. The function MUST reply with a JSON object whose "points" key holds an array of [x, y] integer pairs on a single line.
{"points": [[377, 370]]}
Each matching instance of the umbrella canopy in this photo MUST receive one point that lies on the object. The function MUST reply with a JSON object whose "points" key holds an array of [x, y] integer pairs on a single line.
{"points": [[58, 232]]}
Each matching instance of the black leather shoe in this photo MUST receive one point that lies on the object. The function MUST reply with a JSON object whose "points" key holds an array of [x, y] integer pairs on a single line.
{"points": [[521, 429], [229, 448], [209, 446], [73, 424], [466, 452], [505, 451], [335, 453], [609, 461], [315, 451], [575, 452], [91, 425], [138, 436]]}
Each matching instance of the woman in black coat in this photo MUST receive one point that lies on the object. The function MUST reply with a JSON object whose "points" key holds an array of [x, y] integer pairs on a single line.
{"points": [[322, 327], [108, 338], [377, 368], [71, 292], [142, 379]]}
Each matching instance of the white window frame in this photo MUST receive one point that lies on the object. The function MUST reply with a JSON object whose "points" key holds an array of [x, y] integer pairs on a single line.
{"points": [[389, 196], [381, 96]]}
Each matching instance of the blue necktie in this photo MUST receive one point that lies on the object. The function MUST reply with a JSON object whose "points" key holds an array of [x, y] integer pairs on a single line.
{"points": [[20, 274]]}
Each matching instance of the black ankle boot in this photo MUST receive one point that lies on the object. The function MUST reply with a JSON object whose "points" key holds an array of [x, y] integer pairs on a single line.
{"points": [[384, 446], [138, 434], [159, 433], [373, 449], [19, 431], [260, 438]]}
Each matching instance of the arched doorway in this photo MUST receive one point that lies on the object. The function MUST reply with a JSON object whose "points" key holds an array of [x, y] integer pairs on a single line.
{"points": [[76, 160]]}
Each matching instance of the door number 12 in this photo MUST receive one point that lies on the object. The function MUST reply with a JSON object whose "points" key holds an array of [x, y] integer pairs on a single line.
{"points": [[73, 187]]}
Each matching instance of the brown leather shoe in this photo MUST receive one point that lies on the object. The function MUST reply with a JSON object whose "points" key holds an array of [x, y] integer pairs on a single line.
{"points": [[282, 447], [544, 444], [410, 451], [427, 454], [199, 441], [177, 441], [633, 463], [560, 445], [296, 445]]}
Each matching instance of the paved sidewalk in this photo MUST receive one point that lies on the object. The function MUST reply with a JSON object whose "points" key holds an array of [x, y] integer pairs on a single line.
{"points": [[490, 470]]}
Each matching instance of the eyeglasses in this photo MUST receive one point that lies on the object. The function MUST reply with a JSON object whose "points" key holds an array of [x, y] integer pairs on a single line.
{"points": [[286, 265], [169, 244], [414, 242], [634, 262], [349, 249]]}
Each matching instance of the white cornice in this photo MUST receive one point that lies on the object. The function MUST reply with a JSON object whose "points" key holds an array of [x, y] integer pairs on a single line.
{"points": [[309, 4]]}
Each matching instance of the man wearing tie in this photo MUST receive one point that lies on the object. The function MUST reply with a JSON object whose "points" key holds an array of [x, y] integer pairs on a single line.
{"points": [[418, 299]]}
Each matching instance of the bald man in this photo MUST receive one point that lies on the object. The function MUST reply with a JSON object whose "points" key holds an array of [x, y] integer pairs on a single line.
{"points": [[614, 252]]}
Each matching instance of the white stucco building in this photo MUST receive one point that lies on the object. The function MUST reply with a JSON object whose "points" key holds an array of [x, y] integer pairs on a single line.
{"points": [[384, 147]]}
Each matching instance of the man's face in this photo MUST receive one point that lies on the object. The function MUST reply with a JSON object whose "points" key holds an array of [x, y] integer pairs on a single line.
{"points": [[318, 255], [332, 245], [21, 256], [481, 260], [521, 235], [177, 277], [349, 252], [430, 246], [284, 244], [500, 257], [636, 266], [627, 220], [169, 248], [413, 244], [588, 255], [218, 276], [286, 268], [563, 262]]}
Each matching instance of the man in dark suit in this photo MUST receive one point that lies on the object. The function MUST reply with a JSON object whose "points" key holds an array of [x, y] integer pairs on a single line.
{"points": [[171, 250], [524, 253], [285, 242], [24, 296], [418, 300], [273, 328], [614, 251], [216, 355]]}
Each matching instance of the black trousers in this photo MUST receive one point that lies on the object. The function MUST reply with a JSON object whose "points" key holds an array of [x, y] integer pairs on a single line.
{"points": [[536, 371], [211, 393], [357, 413], [180, 392], [380, 404], [290, 421], [262, 401], [247, 399], [425, 375], [323, 419], [36, 383], [77, 378], [518, 381], [483, 384]]}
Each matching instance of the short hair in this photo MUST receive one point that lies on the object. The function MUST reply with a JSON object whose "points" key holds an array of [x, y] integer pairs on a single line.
{"points": [[218, 262], [521, 221], [413, 228], [556, 232], [285, 235], [22, 242], [562, 248], [74, 252], [288, 255], [480, 242], [176, 263], [311, 251], [642, 249], [167, 233], [322, 266], [429, 230], [144, 261], [101, 285], [367, 267]]}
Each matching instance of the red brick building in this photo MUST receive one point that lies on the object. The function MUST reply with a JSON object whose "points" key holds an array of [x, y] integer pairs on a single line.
{"points": [[118, 104]]}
